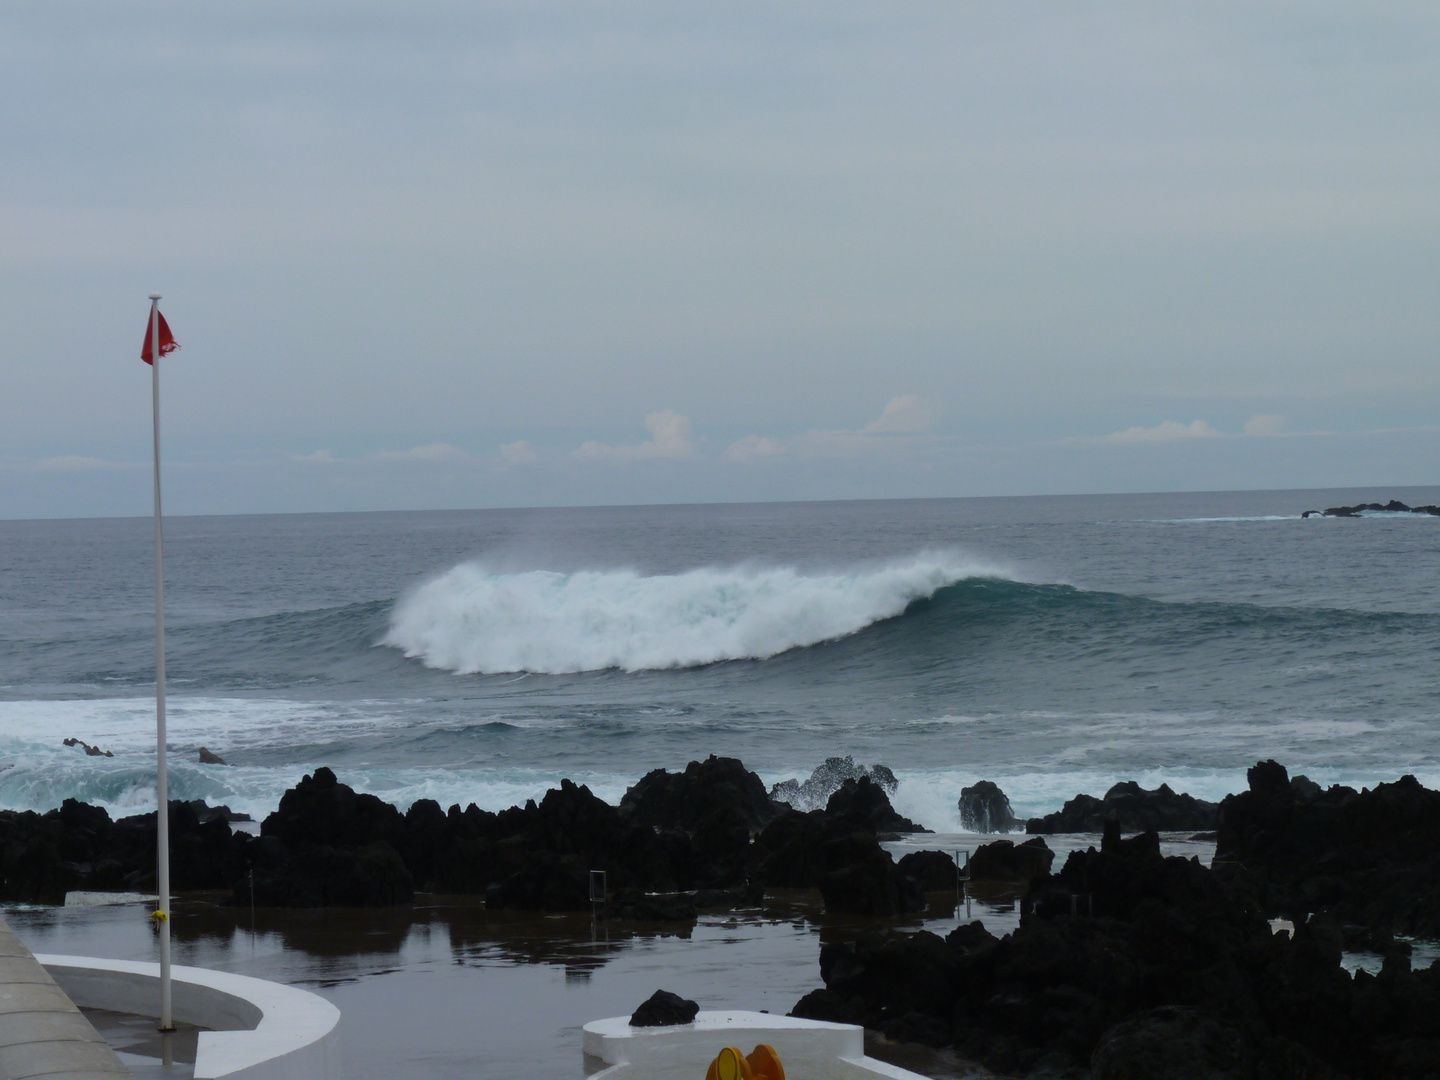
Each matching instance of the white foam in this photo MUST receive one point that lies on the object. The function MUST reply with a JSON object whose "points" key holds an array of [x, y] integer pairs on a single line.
{"points": [[474, 620]]}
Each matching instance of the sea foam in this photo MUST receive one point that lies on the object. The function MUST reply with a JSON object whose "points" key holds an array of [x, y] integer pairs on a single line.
{"points": [[474, 620]]}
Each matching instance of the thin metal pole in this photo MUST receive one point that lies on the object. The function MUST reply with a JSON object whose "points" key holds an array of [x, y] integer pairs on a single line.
{"points": [[162, 785]]}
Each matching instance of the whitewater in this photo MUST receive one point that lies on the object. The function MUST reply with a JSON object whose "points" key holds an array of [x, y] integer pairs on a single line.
{"points": [[1050, 645], [471, 619]]}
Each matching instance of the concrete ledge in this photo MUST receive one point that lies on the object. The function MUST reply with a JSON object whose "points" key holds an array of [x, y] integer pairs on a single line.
{"points": [[260, 1030], [809, 1049]]}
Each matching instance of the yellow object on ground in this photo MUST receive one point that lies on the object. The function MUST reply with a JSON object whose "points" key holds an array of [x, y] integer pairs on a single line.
{"points": [[761, 1064]]}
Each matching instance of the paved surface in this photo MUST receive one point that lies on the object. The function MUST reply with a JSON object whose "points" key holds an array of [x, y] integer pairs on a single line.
{"points": [[42, 1034]]}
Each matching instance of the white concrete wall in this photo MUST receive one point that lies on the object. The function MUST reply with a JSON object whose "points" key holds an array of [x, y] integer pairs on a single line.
{"points": [[808, 1049], [259, 1030]]}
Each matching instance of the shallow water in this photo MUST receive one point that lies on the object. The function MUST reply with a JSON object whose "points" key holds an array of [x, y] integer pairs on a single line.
{"points": [[447, 989]]}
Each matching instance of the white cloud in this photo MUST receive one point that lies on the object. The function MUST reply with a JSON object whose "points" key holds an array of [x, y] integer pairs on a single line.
{"points": [[904, 421], [1165, 431], [316, 457], [518, 453], [1266, 424], [68, 463], [905, 415], [753, 448], [670, 437], [432, 452]]}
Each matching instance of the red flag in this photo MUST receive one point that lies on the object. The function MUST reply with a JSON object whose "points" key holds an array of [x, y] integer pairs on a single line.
{"points": [[168, 344]]}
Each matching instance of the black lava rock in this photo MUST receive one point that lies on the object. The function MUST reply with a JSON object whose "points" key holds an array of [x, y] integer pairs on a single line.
{"points": [[984, 808], [1136, 809], [662, 1009]]}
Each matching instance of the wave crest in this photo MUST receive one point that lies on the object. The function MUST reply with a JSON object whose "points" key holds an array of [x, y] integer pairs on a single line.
{"points": [[472, 620]]}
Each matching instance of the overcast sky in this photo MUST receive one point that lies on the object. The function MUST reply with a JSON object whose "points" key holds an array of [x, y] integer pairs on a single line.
{"points": [[461, 254]]}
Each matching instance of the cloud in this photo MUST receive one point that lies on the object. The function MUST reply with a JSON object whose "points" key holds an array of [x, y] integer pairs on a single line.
{"points": [[518, 453], [316, 457], [432, 452], [670, 437], [1165, 431], [753, 448], [78, 463], [905, 415], [1266, 424], [905, 421]]}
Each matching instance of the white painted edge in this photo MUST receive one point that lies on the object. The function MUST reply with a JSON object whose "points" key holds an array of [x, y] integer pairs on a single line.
{"points": [[809, 1049], [261, 1030]]}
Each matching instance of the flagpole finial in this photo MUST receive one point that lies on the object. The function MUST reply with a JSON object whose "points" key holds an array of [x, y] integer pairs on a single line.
{"points": [[154, 296]]}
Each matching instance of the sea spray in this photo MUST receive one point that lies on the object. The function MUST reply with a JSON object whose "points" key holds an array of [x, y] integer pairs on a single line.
{"points": [[473, 620]]}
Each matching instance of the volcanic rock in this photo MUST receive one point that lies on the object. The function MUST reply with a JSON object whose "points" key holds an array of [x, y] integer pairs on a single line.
{"points": [[1135, 808], [984, 808], [816, 791], [863, 803], [933, 871], [663, 1008], [1369, 859], [665, 800], [1001, 860]]}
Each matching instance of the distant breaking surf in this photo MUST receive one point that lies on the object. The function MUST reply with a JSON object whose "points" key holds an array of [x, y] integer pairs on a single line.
{"points": [[472, 620]]}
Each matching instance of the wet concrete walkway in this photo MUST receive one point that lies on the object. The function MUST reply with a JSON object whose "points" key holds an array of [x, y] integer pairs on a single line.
{"points": [[42, 1034]]}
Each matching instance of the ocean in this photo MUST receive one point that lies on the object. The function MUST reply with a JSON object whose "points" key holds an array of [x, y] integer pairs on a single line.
{"points": [[1052, 645]]}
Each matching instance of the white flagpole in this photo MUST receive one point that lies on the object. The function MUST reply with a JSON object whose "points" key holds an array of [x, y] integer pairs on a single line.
{"points": [[162, 786]]}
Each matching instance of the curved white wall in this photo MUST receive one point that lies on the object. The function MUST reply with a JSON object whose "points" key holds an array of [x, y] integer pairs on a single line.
{"points": [[808, 1049], [260, 1030]]}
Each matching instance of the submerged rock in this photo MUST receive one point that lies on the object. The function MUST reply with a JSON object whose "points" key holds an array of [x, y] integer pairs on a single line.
{"points": [[984, 808]]}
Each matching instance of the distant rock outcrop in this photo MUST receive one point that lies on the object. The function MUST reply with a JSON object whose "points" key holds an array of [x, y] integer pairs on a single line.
{"points": [[1394, 506], [1135, 808], [91, 751], [984, 808]]}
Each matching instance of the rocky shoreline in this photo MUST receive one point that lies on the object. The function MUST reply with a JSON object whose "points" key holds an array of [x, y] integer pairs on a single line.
{"points": [[1125, 963]]}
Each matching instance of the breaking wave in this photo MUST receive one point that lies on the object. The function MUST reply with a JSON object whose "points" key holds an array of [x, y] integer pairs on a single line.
{"points": [[472, 620]]}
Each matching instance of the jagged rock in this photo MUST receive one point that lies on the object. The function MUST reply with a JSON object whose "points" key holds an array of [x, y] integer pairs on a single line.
{"points": [[837, 851], [826, 779], [863, 803], [984, 808], [1065, 991], [1172, 1043], [90, 751], [663, 1008], [665, 800], [1394, 506], [1369, 858], [1135, 808], [933, 871], [78, 847], [205, 813], [859, 877], [1001, 860], [208, 757]]}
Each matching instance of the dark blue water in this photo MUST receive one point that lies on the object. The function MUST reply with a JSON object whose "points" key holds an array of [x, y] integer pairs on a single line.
{"points": [[1050, 644]]}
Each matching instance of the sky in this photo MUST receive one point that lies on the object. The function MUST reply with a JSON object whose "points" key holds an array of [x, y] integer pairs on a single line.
{"points": [[463, 254]]}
